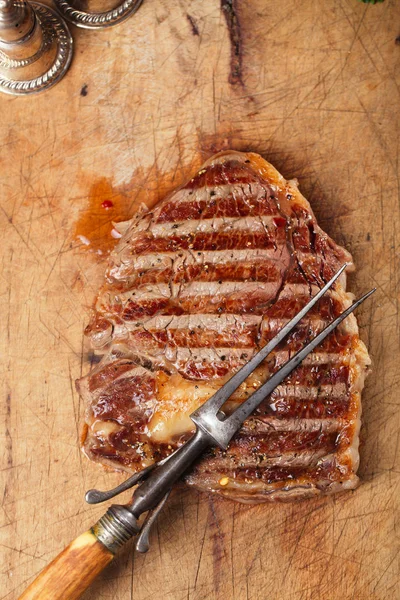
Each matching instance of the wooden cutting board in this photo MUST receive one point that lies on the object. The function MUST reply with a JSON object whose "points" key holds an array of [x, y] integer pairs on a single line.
{"points": [[314, 87]]}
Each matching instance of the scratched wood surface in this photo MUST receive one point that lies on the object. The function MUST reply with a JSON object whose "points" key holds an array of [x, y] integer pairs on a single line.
{"points": [[314, 87]]}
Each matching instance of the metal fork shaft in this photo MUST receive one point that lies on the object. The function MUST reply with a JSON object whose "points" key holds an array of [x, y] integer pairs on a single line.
{"points": [[152, 490]]}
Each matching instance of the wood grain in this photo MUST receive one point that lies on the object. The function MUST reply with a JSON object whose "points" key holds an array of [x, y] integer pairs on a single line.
{"points": [[71, 572], [313, 87]]}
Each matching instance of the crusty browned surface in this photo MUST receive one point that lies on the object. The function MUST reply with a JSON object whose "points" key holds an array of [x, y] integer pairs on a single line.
{"points": [[193, 289], [320, 102]]}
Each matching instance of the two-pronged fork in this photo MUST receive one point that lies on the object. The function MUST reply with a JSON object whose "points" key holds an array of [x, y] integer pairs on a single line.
{"points": [[75, 568]]}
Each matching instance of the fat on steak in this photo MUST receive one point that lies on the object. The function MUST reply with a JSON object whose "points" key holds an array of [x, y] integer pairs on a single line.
{"points": [[193, 289]]}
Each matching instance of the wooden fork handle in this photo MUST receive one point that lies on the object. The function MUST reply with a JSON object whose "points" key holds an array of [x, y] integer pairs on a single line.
{"points": [[72, 571]]}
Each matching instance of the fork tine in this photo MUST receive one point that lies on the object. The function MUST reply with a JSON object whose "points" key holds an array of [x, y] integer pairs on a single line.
{"points": [[213, 404], [224, 430]]}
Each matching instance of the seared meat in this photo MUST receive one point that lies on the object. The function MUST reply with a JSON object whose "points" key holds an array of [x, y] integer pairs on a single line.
{"points": [[193, 289]]}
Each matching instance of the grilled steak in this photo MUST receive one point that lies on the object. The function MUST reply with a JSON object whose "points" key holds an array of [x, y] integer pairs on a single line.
{"points": [[193, 289]]}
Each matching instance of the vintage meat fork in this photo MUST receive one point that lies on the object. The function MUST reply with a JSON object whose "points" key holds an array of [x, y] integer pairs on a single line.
{"points": [[75, 568]]}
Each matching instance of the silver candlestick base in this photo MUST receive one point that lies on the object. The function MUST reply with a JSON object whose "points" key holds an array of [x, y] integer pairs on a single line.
{"points": [[97, 14], [35, 47]]}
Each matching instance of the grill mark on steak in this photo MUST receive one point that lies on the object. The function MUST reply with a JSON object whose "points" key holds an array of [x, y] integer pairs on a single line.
{"points": [[205, 289], [217, 206], [101, 329], [257, 449], [211, 225], [258, 477], [193, 289], [265, 424], [207, 241], [241, 460], [293, 407], [183, 273], [226, 173], [257, 303], [160, 260]]}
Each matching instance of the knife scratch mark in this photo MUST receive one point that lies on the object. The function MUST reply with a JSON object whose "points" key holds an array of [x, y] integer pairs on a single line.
{"points": [[229, 8]]}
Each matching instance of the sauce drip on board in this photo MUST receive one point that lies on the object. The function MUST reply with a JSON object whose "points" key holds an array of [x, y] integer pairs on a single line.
{"points": [[107, 204]]}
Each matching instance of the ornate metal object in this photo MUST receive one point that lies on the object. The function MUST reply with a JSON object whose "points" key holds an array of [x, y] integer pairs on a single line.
{"points": [[35, 47], [97, 14]]}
